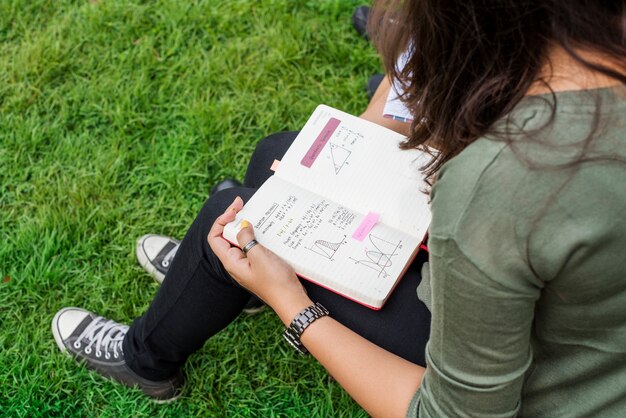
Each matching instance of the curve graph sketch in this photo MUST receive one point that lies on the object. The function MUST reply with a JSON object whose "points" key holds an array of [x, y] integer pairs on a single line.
{"points": [[379, 258], [326, 249]]}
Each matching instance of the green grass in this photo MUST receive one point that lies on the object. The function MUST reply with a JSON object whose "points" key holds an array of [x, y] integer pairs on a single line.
{"points": [[116, 117]]}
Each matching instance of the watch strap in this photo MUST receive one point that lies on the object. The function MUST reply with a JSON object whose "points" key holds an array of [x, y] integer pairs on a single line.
{"points": [[305, 318]]}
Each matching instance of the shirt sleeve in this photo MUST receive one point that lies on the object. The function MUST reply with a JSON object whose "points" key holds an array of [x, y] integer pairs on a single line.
{"points": [[479, 349], [394, 108]]}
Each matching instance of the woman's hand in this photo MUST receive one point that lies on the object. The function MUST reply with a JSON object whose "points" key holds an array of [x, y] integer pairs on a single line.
{"points": [[260, 271], [351, 359]]}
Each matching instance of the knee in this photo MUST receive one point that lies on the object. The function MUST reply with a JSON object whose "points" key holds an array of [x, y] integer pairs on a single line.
{"points": [[267, 150], [217, 204], [213, 207], [272, 147]]}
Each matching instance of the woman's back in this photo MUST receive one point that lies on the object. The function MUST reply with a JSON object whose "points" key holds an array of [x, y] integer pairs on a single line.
{"points": [[528, 244]]}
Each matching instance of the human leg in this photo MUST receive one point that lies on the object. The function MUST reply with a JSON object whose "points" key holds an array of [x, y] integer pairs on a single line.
{"points": [[198, 298], [155, 252], [402, 326], [270, 148]]}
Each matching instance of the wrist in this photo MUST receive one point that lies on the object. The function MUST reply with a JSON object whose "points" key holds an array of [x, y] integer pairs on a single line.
{"points": [[289, 306], [293, 332]]}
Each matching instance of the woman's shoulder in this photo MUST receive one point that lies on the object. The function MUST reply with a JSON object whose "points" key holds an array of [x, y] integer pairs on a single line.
{"points": [[457, 182], [531, 152], [545, 177]]}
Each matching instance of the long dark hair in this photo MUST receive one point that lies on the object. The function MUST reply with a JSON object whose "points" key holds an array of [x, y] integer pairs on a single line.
{"points": [[471, 61]]}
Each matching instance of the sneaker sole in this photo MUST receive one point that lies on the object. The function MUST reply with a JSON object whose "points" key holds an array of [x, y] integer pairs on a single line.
{"points": [[253, 311], [59, 342], [145, 262]]}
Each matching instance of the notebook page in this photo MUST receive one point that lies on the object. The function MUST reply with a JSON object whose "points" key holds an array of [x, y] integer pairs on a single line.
{"points": [[358, 163], [313, 234]]}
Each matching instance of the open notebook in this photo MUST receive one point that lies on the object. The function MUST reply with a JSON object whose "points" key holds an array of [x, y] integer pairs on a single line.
{"points": [[346, 207]]}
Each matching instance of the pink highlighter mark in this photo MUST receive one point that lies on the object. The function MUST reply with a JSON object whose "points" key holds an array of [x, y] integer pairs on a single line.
{"points": [[366, 226], [320, 142]]}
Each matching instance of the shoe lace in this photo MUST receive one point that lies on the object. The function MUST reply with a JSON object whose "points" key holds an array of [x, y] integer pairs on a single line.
{"points": [[105, 336], [170, 255]]}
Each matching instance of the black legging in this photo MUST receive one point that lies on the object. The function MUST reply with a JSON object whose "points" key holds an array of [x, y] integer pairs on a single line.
{"points": [[198, 298]]}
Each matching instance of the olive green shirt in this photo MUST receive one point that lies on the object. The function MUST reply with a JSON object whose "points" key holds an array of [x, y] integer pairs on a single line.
{"points": [[528, 267]]}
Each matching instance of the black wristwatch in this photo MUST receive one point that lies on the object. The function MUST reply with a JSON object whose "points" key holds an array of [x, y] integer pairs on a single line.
{"points": [[305, 318]]}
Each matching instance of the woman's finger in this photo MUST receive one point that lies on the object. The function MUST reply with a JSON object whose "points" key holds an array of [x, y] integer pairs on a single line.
{"points": [[245, 236], [226, 217], [234, 260], [237, 265], [218, 244]]}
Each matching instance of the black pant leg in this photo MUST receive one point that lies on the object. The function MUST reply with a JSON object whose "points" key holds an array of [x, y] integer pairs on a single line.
{"points": [[402, 326], [196, 300], [267, 150]]}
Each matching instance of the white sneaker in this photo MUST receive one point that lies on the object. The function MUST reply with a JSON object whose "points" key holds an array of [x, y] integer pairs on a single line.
{"points": [[155, 254]]}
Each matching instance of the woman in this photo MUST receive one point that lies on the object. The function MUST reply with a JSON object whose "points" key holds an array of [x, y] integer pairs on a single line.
{"points": [[526, 102]]}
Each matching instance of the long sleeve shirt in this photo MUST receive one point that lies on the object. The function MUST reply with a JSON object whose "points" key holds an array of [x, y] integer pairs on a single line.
{"points": [[528, 266]]}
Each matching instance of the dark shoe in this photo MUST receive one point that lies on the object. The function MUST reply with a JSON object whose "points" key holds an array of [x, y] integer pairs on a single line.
{"points": [[155, 254], [97, 342], [373, 83], [359, 21], [225, 184]]}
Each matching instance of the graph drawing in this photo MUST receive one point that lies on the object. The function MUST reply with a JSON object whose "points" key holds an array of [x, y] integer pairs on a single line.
{"points": [[379, 258], [339, 155], [325, 248]]}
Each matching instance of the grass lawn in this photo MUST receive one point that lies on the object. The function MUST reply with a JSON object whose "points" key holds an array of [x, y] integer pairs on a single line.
{"points": [[116, 117]]}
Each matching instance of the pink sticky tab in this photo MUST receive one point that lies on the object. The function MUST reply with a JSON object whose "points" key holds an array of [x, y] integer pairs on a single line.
{"points": [[274, 166], [320, 142], [366, 226]]}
